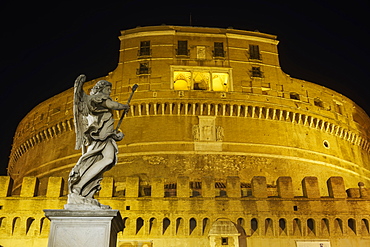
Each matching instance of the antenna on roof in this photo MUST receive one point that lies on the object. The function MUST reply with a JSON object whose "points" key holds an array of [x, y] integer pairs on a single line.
{"points": [[190, 20]]}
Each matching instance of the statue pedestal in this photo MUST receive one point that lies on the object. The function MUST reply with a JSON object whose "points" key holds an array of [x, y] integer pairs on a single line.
{"points": [[75, 228]]}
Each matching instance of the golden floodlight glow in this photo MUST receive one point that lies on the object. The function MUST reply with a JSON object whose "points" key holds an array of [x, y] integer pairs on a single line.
{"points": [[220, 81], [221, 148], [201, 80]]}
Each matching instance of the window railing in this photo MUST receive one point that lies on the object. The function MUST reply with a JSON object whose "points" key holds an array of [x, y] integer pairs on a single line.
{"points": [[183, 52], [143, 71], [219, 53], [144, 52], [256, 72], [255, 56]]}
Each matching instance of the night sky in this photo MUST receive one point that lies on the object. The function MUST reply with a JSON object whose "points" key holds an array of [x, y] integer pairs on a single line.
{"points": [[45, 47]]}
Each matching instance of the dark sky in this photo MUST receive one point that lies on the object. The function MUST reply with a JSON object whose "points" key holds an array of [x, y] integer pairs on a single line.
{"points": [[45, 47]]}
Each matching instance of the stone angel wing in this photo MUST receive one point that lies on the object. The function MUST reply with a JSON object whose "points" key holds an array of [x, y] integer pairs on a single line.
{"points": [[80, 110]]}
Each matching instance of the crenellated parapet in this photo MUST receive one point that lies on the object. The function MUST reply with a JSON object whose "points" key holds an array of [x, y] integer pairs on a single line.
{"points": [[261, 209], [207, 187]]}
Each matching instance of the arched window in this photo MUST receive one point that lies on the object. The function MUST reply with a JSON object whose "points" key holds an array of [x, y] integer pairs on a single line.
{"points": [[44, 226], [16, 224], [324, 226], [282, 227], [166, 224], [352, 225], [2, 222], [206, 226], [297, 227], [254, 225], [365, 227], [311, 227], [139, 224], [192, 225], [241, 228], [29, 224], [152, 225], [241, 222], [338, 226], [179, 226], [269, 227]]}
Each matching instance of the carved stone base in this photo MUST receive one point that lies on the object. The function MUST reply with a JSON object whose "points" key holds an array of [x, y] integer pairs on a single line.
{"points": [[77, 202], [84, 227]]}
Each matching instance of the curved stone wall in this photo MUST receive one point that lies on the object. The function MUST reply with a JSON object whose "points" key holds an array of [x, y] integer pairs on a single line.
{"points": [[261, 124]]}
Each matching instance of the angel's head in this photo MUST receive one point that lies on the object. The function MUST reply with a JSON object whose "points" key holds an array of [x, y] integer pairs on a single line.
{"points": [[101, 86]]}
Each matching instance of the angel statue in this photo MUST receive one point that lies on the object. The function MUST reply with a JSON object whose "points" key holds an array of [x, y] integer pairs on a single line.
{"points": [[96, 136]]}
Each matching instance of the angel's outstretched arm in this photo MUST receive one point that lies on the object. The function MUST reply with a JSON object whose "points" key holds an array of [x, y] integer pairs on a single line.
{"points": [[110, 104]]}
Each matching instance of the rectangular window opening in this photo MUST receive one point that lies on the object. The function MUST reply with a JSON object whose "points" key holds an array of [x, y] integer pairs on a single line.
{"points": [[201, 80], [143, 69], [225, 241], [256, 72], [294, 96], [254, 52], [338, 108], [182, 48], [219, 49], [144, 48]]}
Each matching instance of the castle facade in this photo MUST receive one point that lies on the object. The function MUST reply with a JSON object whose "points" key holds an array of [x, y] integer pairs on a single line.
{"points": [[221, 148]]}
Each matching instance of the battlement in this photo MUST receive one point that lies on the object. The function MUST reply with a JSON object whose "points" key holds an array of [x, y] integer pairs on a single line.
{"points": [[261, 209], [232, 187]]}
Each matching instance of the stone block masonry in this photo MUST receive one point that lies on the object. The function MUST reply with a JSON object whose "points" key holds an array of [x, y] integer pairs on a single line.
{"points": [[190, 209]]}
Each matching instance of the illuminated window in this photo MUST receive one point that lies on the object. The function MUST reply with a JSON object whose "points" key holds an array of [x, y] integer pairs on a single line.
{"points": [[218, 49], [144, 48], [182, 48], [254, 52], [220, 81], [182, 80], [201, 80]]}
